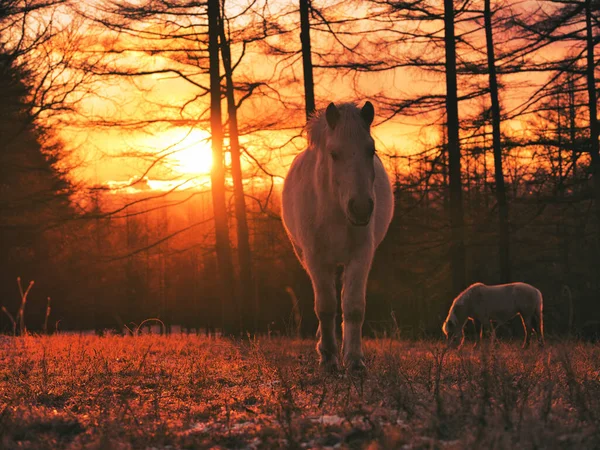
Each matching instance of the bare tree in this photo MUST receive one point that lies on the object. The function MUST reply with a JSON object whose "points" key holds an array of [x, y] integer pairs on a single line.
{"points": [[309, 88], [590, 68], [243, 237], [456, 205], [217, 175], [504, 241]]}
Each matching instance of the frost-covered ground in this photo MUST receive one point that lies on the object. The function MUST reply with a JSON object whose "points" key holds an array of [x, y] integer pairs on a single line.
{"points": [[152, 392]]}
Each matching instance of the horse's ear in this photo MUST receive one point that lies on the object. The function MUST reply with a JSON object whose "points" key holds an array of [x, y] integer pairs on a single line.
{"points": [[368, 113], [332, 115]]}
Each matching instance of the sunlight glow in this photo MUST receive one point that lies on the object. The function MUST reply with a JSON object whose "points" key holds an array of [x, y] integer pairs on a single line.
{"points": [[191, 150]]}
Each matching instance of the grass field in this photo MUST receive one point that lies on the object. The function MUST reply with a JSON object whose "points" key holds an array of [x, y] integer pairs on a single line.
{"points": [[152, 392]]}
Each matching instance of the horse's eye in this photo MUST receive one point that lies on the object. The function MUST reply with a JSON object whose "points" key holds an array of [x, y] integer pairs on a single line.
{"points": [[335, 156]]}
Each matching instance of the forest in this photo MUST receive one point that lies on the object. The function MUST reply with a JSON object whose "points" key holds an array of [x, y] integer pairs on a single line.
{"points": [[143, 147]]}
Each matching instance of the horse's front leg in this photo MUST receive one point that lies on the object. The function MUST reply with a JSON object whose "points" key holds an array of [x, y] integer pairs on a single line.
{"points": [[487, 332], [323, 281], [478, 329], [354, 293], [462, 338]]}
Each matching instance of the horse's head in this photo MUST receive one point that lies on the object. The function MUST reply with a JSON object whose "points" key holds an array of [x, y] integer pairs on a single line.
{"points": [[451, 329], [350, 150]]}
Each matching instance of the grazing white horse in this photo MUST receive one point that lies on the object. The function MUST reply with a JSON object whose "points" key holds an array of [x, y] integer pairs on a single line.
{"points": [[483, 304], [337, 205]]}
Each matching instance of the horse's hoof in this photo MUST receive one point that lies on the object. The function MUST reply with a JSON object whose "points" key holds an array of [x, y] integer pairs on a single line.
{"points": [[356, 367], [329, 366]]}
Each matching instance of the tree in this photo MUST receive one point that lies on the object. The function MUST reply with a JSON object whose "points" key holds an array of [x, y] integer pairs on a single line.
{"points": [[456, 206], [35, 206], [309, 88], [217, 175], [183, 53], [504, 236], [243, 237], [34, 198], [590, 68], [571, 23]]}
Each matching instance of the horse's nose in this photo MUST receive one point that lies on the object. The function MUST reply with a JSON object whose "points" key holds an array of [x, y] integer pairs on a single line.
{"points": [[360, 210]]}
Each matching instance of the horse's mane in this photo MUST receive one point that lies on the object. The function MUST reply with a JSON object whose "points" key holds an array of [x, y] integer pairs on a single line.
{"points": [[349, 124], [459, 300]]}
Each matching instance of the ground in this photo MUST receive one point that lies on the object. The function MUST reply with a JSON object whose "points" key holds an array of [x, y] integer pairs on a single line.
{"points": [[153, 392]]}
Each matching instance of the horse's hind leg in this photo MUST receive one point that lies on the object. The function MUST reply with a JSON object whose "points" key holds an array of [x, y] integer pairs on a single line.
{"points": [[538, 326], [353, 308], [323, 281], [527, 328]]}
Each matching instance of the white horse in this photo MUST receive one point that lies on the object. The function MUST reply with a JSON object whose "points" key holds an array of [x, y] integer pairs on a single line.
{"points": [[485, 304], [337, 205]]}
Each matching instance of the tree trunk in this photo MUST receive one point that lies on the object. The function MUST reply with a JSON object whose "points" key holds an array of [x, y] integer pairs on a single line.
{"points": [[559, 144], [572, 125], [248, 318], [217, 177], [309, 87], [591, 88], [504, 236], [96, 299], [456, 206]]}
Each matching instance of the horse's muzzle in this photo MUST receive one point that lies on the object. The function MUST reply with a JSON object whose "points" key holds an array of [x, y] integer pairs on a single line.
{"points": [[355, 223], [359, 212]]}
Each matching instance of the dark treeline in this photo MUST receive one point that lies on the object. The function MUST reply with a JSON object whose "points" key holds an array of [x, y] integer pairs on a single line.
{"points": [[503, 184]]}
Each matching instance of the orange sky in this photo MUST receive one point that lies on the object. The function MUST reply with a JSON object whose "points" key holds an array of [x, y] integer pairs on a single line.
{"points": [[116, 154]]}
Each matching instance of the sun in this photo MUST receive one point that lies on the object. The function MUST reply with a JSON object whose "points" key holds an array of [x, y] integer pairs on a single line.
{"points": [[195, 160], [189, 151]]}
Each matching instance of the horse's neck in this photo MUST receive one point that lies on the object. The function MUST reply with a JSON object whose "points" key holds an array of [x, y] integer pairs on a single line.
{"points": [[459, 311]]}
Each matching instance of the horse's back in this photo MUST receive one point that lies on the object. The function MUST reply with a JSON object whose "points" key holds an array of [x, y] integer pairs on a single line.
{"points": [[533, 296], [518, 296]]}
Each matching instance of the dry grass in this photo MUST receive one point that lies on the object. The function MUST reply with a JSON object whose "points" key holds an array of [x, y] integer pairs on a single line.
{"points": [[68, 392]]}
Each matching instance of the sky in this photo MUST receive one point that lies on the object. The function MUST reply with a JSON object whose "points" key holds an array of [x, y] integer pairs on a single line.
{"points": [[112, 148]]}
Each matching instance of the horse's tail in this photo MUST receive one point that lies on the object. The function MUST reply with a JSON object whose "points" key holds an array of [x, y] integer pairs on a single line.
{"points": [[538, 317]]}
